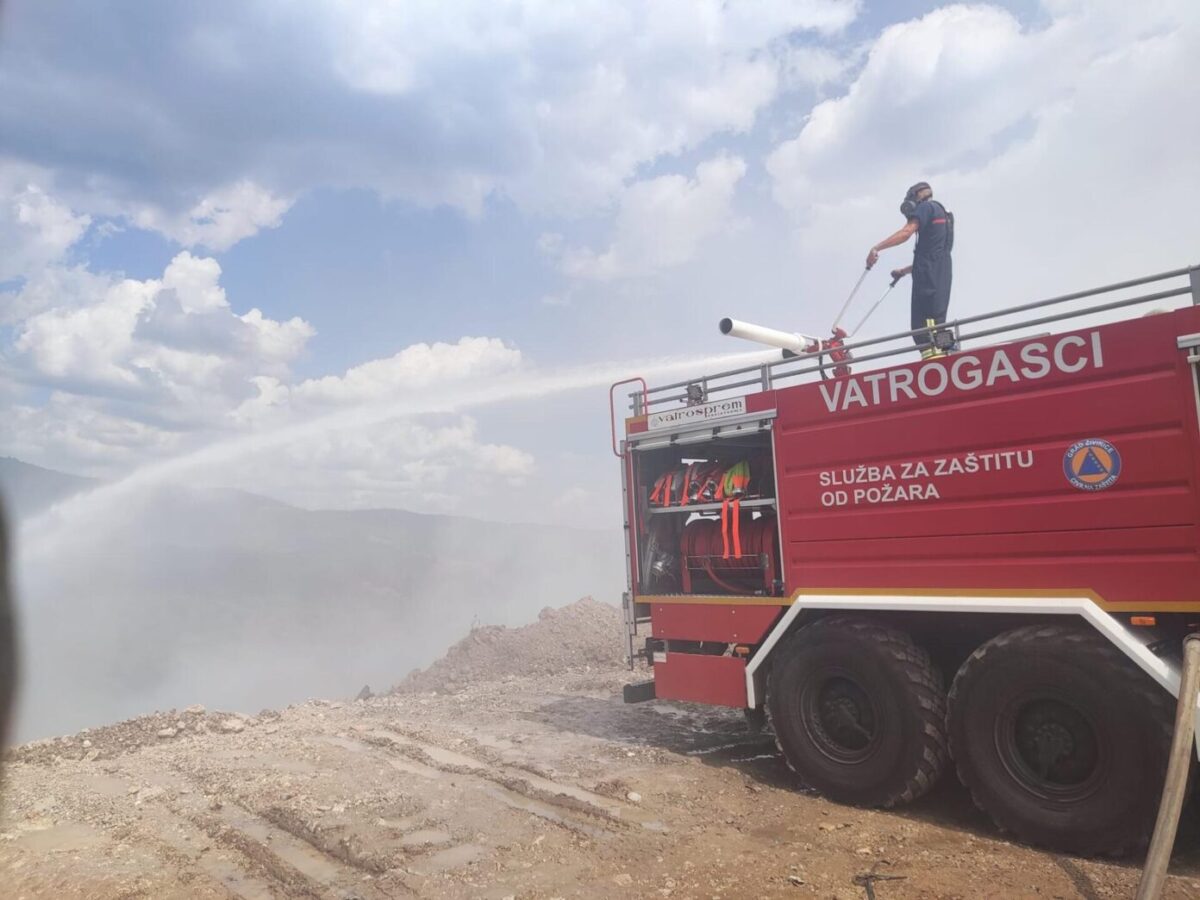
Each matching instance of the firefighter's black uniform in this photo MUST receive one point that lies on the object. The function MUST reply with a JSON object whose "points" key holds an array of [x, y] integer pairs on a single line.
{"points": [[932, 270]]}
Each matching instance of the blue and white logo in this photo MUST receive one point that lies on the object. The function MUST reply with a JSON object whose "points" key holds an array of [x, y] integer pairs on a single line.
{"points": [[1092, 465]]}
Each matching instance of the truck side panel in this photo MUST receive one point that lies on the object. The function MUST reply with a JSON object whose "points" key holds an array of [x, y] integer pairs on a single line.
{"points": [[719, 622], [979, 476]]}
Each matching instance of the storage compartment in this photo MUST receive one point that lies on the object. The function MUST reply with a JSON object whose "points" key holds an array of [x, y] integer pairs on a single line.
{"points": [[706, 520]]}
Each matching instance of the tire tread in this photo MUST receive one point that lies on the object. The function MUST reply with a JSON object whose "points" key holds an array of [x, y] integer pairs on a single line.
{"points": [[923, 677], [1087, 644]]}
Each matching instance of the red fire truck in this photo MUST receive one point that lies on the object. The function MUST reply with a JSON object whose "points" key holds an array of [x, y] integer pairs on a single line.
{"points": [[985, 559]]}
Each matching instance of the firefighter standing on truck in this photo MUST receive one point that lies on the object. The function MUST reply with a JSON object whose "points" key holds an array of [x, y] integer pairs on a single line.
{"points": [[931, 268]]}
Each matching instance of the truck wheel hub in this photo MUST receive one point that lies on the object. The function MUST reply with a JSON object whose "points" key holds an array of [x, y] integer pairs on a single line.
{"points": [[1050, 747], [841, 719]]}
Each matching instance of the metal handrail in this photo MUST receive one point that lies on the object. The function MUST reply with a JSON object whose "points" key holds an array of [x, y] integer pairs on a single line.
{"points": [[765, 374], [612, 412]]}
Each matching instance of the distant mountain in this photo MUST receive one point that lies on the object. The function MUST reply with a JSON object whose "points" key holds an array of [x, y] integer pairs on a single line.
{"points": [[237, 601], [28, 489]]}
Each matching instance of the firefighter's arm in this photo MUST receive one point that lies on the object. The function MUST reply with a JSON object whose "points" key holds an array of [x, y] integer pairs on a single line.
{"points": [[894, 240]]}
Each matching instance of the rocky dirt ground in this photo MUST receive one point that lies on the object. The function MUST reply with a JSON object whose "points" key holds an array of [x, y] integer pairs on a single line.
{"points": [[472, 780]]}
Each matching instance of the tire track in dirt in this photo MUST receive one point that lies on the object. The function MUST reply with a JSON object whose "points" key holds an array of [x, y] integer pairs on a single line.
{"points": [[453, 763], [301, 864], [173, 839], [346, 848], [512, 791], [519, 778], [166, 832], [279, 845], [293, 882]]}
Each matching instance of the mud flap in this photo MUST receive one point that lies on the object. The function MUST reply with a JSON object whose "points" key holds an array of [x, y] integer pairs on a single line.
{"points": [[640, 692]]}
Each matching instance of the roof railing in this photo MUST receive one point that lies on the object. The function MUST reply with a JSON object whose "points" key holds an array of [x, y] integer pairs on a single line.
{"points": [[766, 375]]}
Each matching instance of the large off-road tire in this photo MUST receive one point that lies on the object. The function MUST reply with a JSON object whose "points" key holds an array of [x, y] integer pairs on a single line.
{"points": [[1061, 739], [858, 711]]}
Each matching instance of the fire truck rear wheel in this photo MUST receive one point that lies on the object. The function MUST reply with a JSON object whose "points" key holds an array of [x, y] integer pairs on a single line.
{"points": [[858, 711], [1060, 739]]}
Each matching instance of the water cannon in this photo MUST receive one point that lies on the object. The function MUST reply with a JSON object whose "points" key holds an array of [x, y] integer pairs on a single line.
{"points": [[793, 343], [832, 349]]}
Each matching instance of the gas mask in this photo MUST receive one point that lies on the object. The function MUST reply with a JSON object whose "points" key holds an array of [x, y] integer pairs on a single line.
{"points": [[909, 206]]}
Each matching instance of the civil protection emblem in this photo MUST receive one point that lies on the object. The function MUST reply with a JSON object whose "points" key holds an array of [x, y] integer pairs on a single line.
{"points": [[1092, 464]]}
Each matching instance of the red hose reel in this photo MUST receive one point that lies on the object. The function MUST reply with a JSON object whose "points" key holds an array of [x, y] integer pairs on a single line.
{"points": [[736, 553]]}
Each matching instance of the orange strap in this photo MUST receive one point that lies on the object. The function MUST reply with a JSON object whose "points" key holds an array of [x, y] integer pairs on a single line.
{"points": [[656, 494], [687, 484], [737, 530], [725, 527]]}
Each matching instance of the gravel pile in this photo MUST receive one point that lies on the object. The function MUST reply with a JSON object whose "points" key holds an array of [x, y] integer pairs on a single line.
{"points": [[115, 740], [587, 633]]}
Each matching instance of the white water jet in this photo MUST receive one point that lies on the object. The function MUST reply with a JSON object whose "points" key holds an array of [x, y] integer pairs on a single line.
{"points": [[40, 536], [143, 594]]}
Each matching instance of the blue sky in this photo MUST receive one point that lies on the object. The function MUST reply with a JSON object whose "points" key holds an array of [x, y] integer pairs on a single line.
{"points": [[414, 194]]}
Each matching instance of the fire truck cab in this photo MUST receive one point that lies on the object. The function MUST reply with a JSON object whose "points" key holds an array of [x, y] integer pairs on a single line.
{"points": [[984, 560]]}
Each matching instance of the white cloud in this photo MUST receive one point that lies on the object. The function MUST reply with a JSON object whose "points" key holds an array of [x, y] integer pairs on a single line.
{"points": [[219, 219], [139, 370], [555, 106], [661, 223], [416, 366], [53, 287], [172, 345], [586, 93], [36, 229], [275, 342], [77, 434], [959, 87], [930, 90], [89, 343], [807, 65], [1062, 150], [195, 281]]}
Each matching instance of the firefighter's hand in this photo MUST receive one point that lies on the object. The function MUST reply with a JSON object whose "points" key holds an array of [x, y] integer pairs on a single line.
{"points": [[897, 274], [872, 257]]}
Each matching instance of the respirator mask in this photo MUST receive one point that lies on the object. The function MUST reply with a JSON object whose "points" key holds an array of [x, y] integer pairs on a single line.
{"points": [[909, 206]]}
